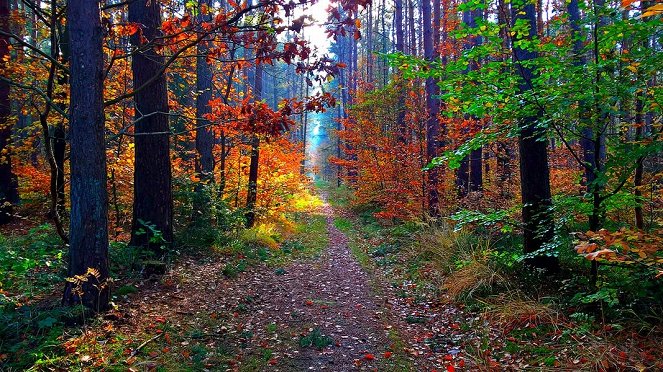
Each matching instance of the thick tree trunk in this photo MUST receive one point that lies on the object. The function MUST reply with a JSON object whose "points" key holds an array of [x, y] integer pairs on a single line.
{"points": [[433, 106], [534, 172], [8, 183], [153, 202], [88, 246]]}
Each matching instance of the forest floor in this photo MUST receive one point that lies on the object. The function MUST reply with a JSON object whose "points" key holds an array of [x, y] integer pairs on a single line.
{"points": [[341, 300], [321, 311]]}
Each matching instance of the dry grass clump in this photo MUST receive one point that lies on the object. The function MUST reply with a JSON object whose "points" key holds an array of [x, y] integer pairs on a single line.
{"points": [[513, 308], [477, 274], [463, 260], [438, 244]]}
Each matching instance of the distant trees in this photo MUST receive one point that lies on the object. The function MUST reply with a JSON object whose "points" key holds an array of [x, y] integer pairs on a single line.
{"points": [[88, 246], [569, 99]]}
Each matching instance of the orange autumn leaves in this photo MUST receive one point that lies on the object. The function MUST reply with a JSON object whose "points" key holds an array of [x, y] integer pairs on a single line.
{"points": [[623, 247]]}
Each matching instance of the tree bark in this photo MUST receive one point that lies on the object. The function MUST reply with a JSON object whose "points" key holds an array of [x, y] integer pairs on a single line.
{"points": [[8, 183], [88, 249], [252, 193], [534, 172], [413, 34], [475, 181], [400, 47], [204, 133], [153, 202], [433, 106], [369, 45]]}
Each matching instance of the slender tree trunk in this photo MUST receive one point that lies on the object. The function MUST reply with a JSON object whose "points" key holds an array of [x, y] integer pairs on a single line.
{"points": [[302, 169], [204, 133], [369, 45], [476, 156], [222, 165], [385, 37], [54, 145], [463, 177], [153, 201], [505, 152], [587, 134], [252, 193], [352, 78], [639, 169], [59, 143], [534, 172], [400, 47], [88, 249], [413, 34], [432, 104], [8, 183]]}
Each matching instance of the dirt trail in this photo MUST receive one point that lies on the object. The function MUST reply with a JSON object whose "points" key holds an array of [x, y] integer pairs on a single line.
{"points": [[329, 293], [267, 309]]}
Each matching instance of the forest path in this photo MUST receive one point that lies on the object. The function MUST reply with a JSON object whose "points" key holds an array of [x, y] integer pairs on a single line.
{"points": [[315, 313], [331, 294]]}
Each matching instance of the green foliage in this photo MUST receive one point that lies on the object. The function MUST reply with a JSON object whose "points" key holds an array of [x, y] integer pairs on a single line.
{"points": [[384, 249], [125, 260], [31, 333], [343, 224], [315, 339], [31, 263], [503, 220], [259, 239], [217, 226]]}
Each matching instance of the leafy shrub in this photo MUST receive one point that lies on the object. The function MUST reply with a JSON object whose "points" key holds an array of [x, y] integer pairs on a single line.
{"points": [[258, 238]]}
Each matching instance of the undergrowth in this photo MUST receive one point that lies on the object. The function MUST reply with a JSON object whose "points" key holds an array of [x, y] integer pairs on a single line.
{"points": [[32, 273], [487, 273]]}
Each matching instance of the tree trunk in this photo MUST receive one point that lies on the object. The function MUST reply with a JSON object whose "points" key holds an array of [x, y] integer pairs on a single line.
{"points": [[400, 47], [204, 133], [476, 170], [463, 177], [59, 144], [88, 246], [432, 104], [534, 173], [8, 183], [413, 34], [469, 174], [152, 225], [252, 193], [369, 45], [222, 165], [476, 156]]}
